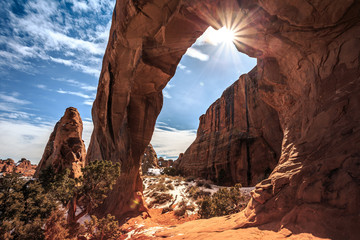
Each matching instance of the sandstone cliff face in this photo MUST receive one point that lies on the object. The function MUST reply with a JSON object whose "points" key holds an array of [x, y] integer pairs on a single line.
{"points": [[65, 148], [238, 139], [308, 71], [149, 159], [23, 167]]}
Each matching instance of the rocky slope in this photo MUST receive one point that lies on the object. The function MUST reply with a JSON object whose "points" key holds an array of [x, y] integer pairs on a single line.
{"points": [[24, 167], [65, 148], [308, 71], [149, 159], [238, 139]]}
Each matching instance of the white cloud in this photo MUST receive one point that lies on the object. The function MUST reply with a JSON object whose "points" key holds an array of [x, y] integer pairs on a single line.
{"points": [[170, 142], [88, 102], [87, 131], [181, 66], [166, 94], [13, 99], [48, 31], [168, 86], [202, 84], [21, 139], [76, 83], [194, 53], [41, 86], [79, 6], [79, 94], [78, 66]]}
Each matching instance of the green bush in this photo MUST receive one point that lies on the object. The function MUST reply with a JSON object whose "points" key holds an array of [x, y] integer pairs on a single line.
{"points": [[225, 201], [170, 186], [182, 208], [162, 198], [24, 208], [171, 171], [103, 228]]}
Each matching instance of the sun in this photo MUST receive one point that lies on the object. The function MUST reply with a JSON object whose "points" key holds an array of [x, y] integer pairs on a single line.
{"points": [[223, 35]]}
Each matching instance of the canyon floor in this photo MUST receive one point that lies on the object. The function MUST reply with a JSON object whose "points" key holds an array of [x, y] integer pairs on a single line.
{"points": [[169, 225]]}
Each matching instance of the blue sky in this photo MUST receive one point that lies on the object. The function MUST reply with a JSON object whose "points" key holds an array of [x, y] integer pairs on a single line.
{"points": [[50, 58]]}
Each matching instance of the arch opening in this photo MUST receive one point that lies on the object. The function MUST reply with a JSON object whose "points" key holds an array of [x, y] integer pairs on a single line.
{"points": [[206, 87]]}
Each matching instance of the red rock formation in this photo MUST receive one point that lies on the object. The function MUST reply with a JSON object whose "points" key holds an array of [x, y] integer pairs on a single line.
{"points": [[149, 159], [7, 166], [308, 71], [165, 163], [65, 148], [23, 167], [238, 139]]}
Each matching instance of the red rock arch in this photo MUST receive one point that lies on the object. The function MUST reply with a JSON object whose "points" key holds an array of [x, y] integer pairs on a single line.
{"points": [[308, 70]]}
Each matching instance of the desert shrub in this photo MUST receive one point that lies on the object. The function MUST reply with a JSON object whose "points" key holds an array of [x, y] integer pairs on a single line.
{"points": [[160, 187], [170, 171], [182, 208], [200, 183], [162, 198], [195, 192], [189, 179], [225, 201], [170, 186], [103, 228]]}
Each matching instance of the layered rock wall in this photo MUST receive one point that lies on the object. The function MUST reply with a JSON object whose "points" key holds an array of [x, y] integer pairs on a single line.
{"points": [[238, 139], [65, 148]]}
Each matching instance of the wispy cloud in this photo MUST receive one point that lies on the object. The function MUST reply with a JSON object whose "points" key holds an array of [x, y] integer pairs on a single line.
{"points": [[41, 86], [79, 94], [76, 83], [88, 102], [197, 54], [46, 30], [170, 142], [79, 6], [23, 139], [166, 94], [12, 99]]}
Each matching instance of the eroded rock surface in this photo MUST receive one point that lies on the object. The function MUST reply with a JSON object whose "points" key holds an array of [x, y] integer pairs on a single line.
{"points": [[238, 139], [149, 159], [308, 71], [24, 167], [65, 148]]}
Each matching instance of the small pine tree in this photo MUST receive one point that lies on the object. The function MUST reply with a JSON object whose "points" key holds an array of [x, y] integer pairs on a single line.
{"points": [[56, 227], [24, 208]]}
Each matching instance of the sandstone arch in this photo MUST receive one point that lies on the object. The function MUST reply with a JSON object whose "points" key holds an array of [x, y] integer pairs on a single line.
{"points": [[308, 70]]}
